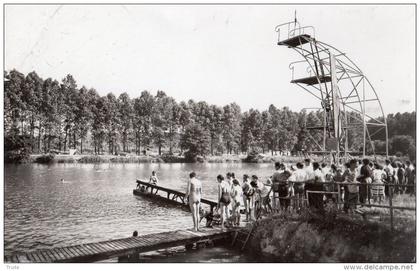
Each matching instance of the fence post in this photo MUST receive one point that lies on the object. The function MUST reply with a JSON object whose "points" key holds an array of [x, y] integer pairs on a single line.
{"points": [[391, 211]]}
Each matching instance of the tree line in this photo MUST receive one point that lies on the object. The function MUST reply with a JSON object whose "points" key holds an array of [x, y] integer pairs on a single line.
{"points": [[41, 115]]}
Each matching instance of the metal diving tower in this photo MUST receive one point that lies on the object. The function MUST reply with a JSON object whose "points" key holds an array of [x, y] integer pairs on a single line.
{"points": [[348, 100]]}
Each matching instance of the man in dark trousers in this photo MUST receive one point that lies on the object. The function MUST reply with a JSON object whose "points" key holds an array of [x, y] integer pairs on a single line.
{"points": [[364, 178]]}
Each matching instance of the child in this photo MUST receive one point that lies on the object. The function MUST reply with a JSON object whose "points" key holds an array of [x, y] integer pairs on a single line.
{"points": [[297, 179], [208, 216], [256, 199], [247, 192], [378, 189], [351, 197], [236, 201], [153, 179], [224, 199]]}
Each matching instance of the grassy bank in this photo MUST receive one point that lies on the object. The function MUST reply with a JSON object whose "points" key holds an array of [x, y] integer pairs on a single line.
{"points": [[343, 239], [154, 158], [93, 159]]}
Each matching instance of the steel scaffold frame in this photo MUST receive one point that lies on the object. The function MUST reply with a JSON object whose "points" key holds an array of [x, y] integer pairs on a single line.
{"points": [[352, 87]]}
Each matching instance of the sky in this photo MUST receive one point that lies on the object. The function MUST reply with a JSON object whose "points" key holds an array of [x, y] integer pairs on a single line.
{"points": [[219, 54]]}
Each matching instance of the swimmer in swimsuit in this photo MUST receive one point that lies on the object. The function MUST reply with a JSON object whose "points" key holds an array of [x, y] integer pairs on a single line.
{"points": [[224, 199], [194, 197], [236, 203]]}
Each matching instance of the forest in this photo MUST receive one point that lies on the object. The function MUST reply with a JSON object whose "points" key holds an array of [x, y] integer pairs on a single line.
{"points": [[45, 115]]}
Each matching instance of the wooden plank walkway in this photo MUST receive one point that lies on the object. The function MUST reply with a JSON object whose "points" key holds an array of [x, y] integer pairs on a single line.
{"points": [[172, 196], [92, 252]]}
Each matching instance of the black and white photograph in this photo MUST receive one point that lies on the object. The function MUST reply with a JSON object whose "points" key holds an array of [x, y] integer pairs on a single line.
{"points": [[211, 133]]}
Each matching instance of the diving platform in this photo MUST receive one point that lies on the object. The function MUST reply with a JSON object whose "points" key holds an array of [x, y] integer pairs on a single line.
{"points": [[313, 80], [93, 252], [167, 195], [296, 40]]}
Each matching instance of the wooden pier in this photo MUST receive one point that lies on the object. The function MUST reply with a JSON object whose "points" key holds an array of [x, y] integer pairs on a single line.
{"points": [[92, 252], [167, 195]]}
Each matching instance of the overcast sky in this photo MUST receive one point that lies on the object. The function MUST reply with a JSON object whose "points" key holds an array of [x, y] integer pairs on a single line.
{"points": [[218, 54]]}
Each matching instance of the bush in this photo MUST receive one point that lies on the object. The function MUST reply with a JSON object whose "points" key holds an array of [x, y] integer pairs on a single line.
{"points": [[45, 159], [252, 157], [16, 148], [167, 158]]}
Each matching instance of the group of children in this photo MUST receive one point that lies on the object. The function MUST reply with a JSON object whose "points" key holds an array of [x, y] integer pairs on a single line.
{"points": [[349, 182], [252, 192], [309, 182]]}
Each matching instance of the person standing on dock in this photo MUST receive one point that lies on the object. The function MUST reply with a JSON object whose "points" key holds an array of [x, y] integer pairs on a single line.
{"points": [[230, 176], [223, 199], [247, 193], [193, 195], [236, 203], [276, 180]]}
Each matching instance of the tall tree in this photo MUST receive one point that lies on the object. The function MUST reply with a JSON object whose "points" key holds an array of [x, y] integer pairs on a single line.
{"points": [[48, 111], [215, 127], [125, 107], [231, 127], [31, 96], [142, 122], [99, 111], [69, 89], [83, 114], [14, 105], [161, 117], [112, 122]]}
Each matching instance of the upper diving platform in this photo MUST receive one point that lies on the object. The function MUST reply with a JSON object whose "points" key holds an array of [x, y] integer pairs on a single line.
{"points": [[296, 40]]}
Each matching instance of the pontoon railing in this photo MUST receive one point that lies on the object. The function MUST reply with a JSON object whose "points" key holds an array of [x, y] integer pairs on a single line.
{"points": [[335, 188]]}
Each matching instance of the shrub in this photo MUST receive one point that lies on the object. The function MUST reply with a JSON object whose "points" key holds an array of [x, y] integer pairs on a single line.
{"points": [[252, 157], [16, 148], [45, 159], [167, 158]]}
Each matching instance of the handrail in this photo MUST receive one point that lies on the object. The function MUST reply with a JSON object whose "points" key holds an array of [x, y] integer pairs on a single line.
{"points": [[293, 31], [302, 30], [278, 28], [359, 184], [309, 67]]}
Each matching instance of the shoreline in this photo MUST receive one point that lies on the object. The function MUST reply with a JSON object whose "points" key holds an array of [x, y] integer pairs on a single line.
{"points": [[167, 159], [98, 159]]}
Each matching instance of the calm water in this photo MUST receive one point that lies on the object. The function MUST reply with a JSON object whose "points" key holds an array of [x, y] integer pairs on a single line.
{"points": [[95, 202]]}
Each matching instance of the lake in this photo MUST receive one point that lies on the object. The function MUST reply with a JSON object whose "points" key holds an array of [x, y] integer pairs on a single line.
{"points": [[96, 202]]}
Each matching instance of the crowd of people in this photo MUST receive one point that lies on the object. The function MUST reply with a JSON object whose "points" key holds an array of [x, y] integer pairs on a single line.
{"points": [[292, 186]]}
